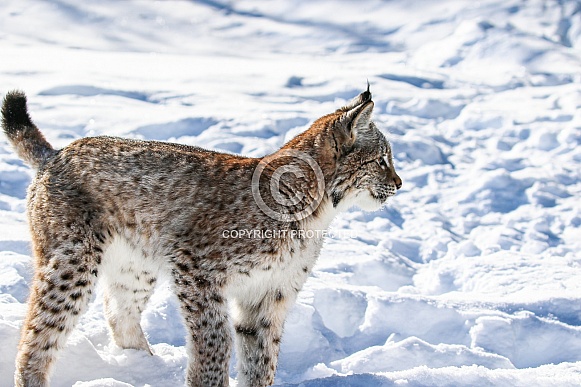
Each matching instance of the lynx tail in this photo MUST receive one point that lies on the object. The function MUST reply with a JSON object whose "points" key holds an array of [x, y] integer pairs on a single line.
{"points": [[24, 136]]}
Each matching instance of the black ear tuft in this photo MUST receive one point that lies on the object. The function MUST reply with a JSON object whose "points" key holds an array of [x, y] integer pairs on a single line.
{"points": [[366, 95]]}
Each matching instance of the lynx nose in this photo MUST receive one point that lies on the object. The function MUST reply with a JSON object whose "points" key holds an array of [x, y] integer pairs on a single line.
{"points": [[397, 181]]}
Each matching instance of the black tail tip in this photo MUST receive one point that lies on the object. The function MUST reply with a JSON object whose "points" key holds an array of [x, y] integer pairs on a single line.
{"points": [[15, 98], [14, 110]]}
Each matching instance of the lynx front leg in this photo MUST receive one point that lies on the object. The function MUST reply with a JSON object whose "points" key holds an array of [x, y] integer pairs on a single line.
{"points": [[205, 312], [258, 334]]}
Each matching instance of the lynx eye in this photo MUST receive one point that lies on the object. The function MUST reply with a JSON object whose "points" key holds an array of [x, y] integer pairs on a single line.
{"points": [[382, 161]]}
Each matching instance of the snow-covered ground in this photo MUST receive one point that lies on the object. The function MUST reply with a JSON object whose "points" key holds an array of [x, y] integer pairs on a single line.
{"points": [[470, 276]]}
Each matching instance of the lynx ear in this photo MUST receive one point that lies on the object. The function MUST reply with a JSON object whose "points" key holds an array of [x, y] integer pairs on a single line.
{"points": [[363, 118], [357, 120]]}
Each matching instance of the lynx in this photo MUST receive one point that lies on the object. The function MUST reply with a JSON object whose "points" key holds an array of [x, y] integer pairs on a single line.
{"points": [[127, 211]]}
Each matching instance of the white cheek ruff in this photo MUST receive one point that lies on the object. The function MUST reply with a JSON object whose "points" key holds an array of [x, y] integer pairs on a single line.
{"points": [[367, 202], [360, 199]]}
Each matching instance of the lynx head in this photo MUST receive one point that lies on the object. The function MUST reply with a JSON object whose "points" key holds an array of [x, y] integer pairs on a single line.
{"points": [[365, 175], [342, 157]]}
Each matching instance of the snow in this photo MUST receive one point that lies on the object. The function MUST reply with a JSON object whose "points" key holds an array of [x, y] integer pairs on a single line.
{"points": [[471, 275]]}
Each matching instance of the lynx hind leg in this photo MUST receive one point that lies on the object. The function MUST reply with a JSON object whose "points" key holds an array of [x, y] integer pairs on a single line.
{"points": [[129, 278], [66, 274]]}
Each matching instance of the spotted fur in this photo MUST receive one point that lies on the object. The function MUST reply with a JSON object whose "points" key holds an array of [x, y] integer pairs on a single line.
{"points": [[126, 210]]}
